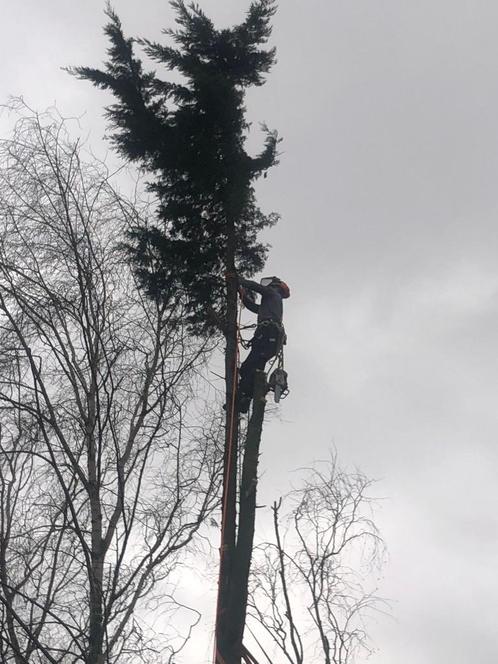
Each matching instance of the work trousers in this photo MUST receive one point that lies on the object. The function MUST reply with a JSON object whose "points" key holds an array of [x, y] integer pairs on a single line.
{"points": [[264, 345]]}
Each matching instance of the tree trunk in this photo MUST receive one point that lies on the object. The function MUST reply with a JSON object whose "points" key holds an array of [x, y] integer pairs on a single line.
{"points": [[96, 628], [247, 516], [247, 510], [229, 504], [96, 571], [236, 545]]}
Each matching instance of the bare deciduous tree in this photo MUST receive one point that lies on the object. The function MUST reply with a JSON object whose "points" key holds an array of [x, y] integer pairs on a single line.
{"points": [[309, 595], [106, 474]]}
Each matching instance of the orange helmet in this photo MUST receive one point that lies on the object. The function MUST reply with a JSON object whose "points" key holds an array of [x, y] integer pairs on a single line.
{"points": [[284, 289]]}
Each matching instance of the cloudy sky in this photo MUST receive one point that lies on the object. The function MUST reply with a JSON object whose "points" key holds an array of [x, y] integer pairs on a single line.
{"points": [[389, 241]]}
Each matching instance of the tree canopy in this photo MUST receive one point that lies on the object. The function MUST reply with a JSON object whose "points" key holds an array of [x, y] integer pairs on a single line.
{"points": [[189, 133]]}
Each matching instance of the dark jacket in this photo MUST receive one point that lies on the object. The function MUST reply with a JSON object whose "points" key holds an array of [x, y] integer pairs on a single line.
{"points": [[270, 307]]}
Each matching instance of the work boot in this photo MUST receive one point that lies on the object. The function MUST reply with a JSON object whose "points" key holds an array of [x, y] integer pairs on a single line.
{"points": [[241, 406]]}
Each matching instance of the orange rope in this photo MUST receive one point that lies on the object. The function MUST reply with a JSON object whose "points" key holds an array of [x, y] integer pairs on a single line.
{"points": [[218, 659]]}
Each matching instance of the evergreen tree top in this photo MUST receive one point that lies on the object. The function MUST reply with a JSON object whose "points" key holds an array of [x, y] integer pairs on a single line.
{"points": [[232, 52], [190, 136]]}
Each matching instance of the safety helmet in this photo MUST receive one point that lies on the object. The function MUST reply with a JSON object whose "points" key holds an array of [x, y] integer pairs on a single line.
{"points": [[281, 285]]}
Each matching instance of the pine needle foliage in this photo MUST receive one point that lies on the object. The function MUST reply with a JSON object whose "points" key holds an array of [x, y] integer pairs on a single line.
{"points": [[188, 132]]}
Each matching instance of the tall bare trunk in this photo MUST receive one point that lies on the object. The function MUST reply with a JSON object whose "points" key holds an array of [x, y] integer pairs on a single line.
{"points": [[96, 621], [96, 571], [229, 505], [247, 518]]}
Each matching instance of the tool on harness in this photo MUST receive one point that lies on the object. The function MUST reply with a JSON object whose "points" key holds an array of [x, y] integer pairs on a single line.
{"points": [[278, 378], [277, 382]]}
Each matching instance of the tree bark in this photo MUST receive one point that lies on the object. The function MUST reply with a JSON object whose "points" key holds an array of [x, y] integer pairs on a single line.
{"points": [[247, 517], [96, 571], [229, 501]]}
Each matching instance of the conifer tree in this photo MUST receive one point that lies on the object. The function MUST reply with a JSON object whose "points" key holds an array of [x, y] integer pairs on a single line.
{"points": [[188, 133], [190, 137]]}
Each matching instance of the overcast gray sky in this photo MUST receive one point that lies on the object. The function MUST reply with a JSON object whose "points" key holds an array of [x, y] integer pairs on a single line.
{"points": [[389, 241]]}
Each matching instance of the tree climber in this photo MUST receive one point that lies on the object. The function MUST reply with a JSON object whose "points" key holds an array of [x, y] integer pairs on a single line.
{"points": [[269, 335]]}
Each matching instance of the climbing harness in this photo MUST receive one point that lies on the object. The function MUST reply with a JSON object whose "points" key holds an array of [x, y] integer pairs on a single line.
{"points": [[278, 377]]}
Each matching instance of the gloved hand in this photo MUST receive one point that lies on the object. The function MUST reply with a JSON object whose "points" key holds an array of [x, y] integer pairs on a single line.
{"points": [[247, 293]]}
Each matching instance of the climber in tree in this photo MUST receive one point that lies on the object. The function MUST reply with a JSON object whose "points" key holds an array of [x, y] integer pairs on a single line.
{"points": [[269, 334]]}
